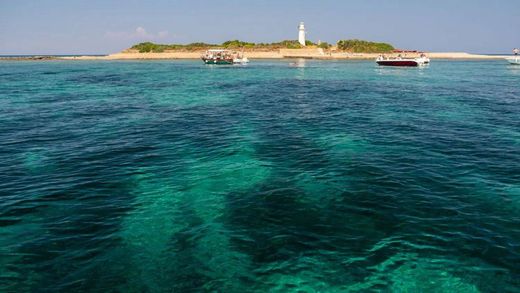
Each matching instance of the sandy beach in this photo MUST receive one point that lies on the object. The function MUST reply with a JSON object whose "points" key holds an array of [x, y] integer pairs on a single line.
{"points": [[278, 54]]}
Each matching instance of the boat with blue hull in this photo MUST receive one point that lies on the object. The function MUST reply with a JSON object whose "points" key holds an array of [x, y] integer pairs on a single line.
{"points": [[218, 57]]}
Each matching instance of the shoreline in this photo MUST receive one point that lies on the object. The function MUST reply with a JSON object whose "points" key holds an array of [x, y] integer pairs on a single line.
{"points": [[315, 54]]}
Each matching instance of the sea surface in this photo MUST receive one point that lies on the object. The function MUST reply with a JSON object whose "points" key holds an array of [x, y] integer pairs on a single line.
{"points": [[277, 176]]}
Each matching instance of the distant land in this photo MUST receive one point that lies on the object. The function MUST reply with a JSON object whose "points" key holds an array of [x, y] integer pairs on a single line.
{"points": [[344, 49]]}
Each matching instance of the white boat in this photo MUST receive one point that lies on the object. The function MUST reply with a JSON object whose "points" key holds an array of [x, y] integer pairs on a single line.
{"points": [[224, 57], [406, 62], [514, 60], [239, 60], [218, 57]]}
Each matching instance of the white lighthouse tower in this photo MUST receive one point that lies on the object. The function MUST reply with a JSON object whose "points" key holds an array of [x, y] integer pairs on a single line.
{"points": [[301, 34]]}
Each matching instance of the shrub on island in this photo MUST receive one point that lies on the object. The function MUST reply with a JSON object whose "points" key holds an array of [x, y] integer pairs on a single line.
{"points": [[360, 46], [238, 44], [147, 47], [324, 45], [355, 46]]}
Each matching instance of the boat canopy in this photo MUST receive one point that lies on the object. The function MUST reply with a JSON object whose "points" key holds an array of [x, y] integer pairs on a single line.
{"points": [[217, 50], [406, 51]]}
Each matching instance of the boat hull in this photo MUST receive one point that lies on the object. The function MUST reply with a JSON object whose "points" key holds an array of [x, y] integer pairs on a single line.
{"points": [[218, 61], [400, 63], [514, 60]]}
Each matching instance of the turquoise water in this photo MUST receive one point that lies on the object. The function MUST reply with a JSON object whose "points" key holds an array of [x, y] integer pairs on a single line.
{"points": [[286, 176]]}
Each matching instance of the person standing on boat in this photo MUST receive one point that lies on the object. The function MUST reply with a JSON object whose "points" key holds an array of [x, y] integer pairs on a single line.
{"points": [[516, 51]]}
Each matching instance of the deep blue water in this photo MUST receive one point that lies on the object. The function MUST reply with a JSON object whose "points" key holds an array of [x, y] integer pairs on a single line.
{"points": [[286, 176]]}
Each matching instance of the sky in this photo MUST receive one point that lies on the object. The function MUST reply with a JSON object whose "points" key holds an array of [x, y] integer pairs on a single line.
{"points": [[102, 27]]}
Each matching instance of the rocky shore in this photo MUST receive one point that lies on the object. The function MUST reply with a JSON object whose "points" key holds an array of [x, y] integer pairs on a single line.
{"points": [[28, 58]]}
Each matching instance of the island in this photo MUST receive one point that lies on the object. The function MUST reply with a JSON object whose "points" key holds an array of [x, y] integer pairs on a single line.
{"points": [[349, 49], [343, 49]]}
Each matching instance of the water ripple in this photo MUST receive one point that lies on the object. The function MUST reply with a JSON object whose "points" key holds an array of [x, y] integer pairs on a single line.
{"points": [[330, 176]]}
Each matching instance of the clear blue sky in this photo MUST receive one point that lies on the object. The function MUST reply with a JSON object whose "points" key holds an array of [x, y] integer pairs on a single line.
{"points": [[95, 26]]}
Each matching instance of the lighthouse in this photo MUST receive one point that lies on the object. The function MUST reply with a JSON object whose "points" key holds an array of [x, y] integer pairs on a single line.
{"points": [[301, 34]]}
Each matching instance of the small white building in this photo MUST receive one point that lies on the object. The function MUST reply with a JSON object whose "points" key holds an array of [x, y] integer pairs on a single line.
{"points": [[301, 34]]}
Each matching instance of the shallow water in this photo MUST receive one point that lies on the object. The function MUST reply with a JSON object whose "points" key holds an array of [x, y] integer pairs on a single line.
{"points": [[286, 176]]}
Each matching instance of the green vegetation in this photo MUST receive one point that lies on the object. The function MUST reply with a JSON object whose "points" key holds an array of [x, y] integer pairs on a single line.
{"points": [[355, 46], [286, 44], [324, 45], [147, 47], [359, 46], [236, 44]]}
